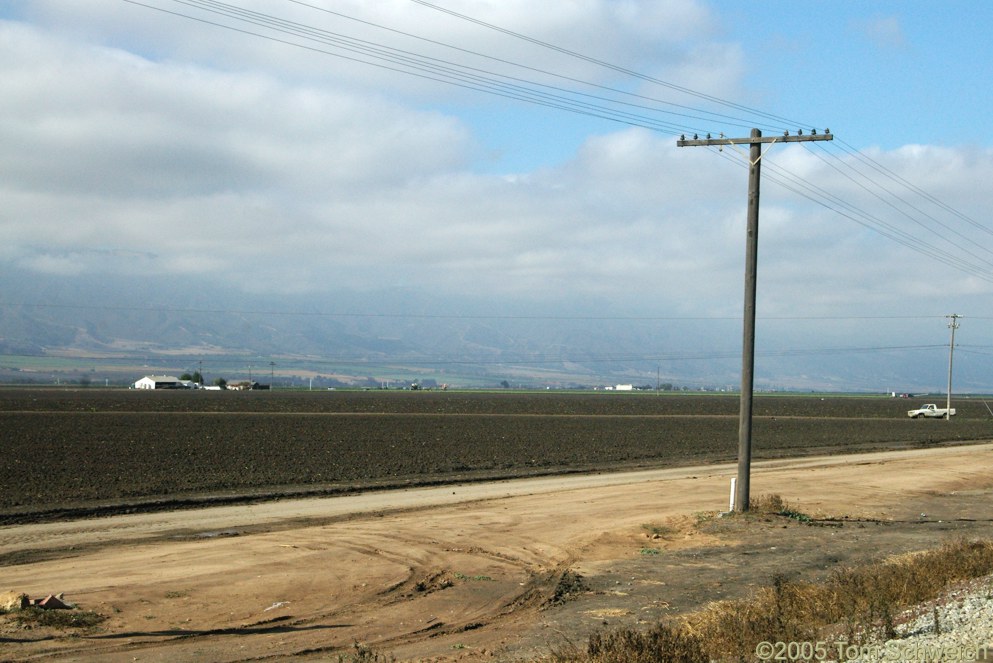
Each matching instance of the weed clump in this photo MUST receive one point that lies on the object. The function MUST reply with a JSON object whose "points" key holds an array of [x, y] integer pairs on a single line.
{"points": [[364, 654], [658, 530], [775, 505], [663, 642], [570, 584], [60, 619]]}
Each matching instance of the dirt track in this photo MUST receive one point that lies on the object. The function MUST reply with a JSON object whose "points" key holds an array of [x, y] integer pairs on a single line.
{"points": [[469, 571]]}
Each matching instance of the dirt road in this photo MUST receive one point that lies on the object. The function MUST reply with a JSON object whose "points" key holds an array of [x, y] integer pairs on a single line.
{"points": [[470, 571]]}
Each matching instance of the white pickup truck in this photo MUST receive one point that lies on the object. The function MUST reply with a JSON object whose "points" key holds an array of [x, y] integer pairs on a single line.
{"points": [[932, 411]]}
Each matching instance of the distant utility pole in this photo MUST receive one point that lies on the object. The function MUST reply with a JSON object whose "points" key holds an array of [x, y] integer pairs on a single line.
{"points": [[953, 324], [755, 142]]}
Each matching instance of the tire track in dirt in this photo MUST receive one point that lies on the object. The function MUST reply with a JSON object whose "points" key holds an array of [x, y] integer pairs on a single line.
{"points": [[438, 573]]}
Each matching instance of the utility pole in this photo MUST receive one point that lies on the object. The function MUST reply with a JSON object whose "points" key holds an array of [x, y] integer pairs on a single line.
{"points": [[953, 324], [755, 141]]}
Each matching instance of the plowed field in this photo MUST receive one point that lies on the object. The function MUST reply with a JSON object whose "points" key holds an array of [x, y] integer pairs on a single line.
{"points": [[99, 451]]}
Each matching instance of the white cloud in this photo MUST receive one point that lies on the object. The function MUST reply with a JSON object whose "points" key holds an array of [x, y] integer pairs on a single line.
{"points": [[205, 153], [884, 31]]}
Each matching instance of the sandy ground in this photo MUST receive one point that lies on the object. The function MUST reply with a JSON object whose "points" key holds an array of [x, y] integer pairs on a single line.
{"points": [[469, 572]]}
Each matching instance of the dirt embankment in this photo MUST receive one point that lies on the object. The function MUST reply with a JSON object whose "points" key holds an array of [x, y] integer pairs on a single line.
{"points": [[489, 571]]}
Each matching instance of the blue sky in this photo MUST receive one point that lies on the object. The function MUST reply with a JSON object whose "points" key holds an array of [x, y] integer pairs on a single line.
{"points": [[144, 145], [883, 74]]}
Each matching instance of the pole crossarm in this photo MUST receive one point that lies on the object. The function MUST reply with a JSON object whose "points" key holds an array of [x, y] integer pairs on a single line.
{"points": [[717, 142]]}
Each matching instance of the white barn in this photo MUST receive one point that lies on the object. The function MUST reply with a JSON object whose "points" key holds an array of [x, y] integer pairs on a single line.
{"points": [[160, 382]]}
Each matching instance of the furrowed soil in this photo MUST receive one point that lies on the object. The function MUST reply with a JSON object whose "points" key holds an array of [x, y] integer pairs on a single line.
{"points": [[451, 567], [90, 452]]}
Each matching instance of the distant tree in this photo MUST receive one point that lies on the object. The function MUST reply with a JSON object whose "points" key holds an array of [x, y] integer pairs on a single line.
{"points": [[192, 377], [221, 382], [505, 384]]}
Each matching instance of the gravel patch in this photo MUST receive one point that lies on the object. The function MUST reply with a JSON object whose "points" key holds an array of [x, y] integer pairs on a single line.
{"points": [[956, 627]]}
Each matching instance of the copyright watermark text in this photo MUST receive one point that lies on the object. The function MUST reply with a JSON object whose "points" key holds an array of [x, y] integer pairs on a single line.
{"points": [[842, 651]]}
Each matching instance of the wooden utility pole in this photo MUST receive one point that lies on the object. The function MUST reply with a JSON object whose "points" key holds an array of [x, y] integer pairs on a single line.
{"points": [[953, 324], [755, 141]]}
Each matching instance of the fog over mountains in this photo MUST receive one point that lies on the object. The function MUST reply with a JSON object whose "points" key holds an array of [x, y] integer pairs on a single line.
{"points": [[393, 334], [186, 185]]}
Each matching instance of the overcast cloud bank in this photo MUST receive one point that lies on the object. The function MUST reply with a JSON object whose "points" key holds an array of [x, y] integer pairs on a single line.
{"points": [[138, 144]]}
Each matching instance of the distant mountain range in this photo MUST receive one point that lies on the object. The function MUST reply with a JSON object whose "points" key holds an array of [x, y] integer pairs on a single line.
{"points": [[114, 329]]}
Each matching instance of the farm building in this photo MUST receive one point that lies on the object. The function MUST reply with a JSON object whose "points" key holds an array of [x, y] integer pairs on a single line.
{"points": [[161, 382]]}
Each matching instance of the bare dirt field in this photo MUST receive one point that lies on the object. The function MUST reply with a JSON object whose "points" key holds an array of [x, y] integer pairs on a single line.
{"points": [[483, 571], [87, 452]]}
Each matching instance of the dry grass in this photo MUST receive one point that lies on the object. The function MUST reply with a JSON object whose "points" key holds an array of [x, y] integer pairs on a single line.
{"points": [[61, 619], [363, 654], [775, 505], [863, 601], [662, 642], [857, 602], [659, 530]]}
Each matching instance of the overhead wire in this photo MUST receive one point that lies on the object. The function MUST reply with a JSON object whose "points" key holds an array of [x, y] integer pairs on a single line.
{"points": [[697, 113], [910, 186], [560, 98], [603, 107], [524, 359], [783, 122], [444, 71], [885, 229], [919, 222], [455, 316], [841, 207]]}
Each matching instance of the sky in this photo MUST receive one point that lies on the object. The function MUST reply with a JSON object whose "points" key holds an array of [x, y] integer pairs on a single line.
{"points": [[141, 144]]}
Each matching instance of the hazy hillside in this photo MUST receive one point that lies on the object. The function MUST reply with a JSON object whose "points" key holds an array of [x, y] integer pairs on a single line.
{"points": [[399, 333]]}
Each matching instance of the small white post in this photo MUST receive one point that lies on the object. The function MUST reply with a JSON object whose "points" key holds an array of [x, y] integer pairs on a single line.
{"points": [[734, 484]]}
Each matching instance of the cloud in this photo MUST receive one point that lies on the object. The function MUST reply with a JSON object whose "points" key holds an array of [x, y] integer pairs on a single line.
{"points": [[249, 164], [884, 31]]}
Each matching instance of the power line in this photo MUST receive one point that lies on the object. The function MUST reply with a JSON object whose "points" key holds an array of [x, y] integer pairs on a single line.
{"points": [[913, 187], [459, 75], [735, 121], [841, 207], [454, 316], [600, 107], [914, 208], [944, 257], [784, 122], [522, 360]]}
